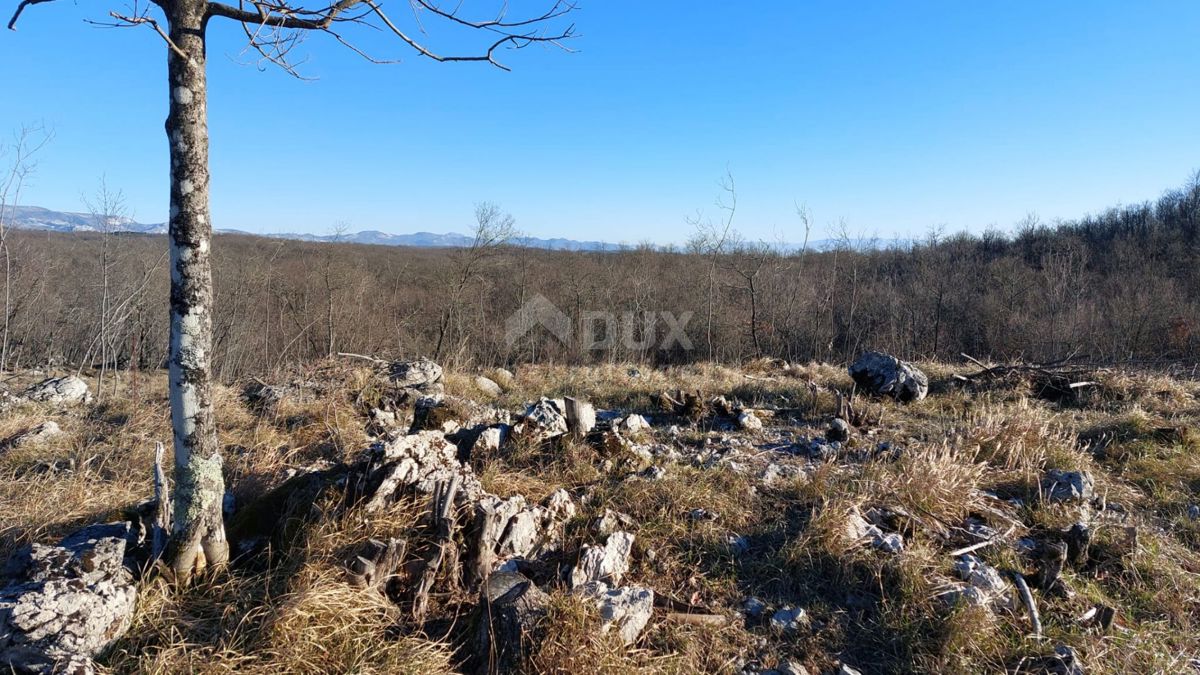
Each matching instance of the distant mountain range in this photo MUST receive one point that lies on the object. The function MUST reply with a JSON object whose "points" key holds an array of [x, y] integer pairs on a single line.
{"points": [[38, 218]]}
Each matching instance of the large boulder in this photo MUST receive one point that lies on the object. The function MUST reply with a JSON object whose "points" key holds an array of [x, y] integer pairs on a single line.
{"points": [[63, 605], [68, 389], [885, 375]]}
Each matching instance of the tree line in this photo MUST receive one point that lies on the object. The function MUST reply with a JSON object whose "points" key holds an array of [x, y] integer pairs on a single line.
{"points": [[1119, 285]]}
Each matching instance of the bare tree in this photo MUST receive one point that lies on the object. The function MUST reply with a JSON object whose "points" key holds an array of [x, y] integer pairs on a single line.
{"points": [[712, 241], [20, 166], [273, 29], [493, 229]]}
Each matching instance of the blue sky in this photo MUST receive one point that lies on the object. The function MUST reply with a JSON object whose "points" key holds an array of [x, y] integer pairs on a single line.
{"points": [[894, 116]]}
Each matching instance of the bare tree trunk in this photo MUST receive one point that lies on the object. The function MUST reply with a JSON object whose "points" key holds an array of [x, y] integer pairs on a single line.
{"points": [[198, 537]]}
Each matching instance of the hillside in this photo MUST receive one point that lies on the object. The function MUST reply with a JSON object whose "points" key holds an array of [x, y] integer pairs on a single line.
{"points": [[766, 550]]}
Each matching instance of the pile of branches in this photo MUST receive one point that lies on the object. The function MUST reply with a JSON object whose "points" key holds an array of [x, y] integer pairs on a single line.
{"points": [[1060, 380]]}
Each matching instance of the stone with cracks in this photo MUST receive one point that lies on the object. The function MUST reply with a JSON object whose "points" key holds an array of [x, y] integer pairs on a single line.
{"points": [[492, 438], [422, 375], [629, 608], [512, 610], [885, 375], [419, 461], [1067, 486], [542, 421], [633, 424], [607, 563], [64, 605], [69, 389]]}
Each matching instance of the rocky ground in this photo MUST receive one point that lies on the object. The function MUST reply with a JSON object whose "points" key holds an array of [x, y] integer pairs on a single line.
{"points": [[765, 518]]}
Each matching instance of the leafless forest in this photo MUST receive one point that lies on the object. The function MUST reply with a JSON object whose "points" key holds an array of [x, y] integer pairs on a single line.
{"points": [[1117, 286]]}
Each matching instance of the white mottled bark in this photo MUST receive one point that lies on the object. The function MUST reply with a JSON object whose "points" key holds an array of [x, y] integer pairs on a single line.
{"points": [[198, 537]]}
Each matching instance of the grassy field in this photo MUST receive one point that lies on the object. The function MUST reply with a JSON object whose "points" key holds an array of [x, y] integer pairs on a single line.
{"points": [[967, 457]]}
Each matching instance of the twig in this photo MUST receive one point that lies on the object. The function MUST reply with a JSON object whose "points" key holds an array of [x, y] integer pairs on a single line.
{"points": [[697, 619], [361, 356], [973, 547], [1030, 606]]}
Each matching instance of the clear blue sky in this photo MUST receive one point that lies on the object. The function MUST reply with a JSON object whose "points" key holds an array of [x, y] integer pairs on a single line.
{"points": [[896, 116]]}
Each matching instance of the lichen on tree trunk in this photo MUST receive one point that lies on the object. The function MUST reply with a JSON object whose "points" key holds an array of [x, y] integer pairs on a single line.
{"points": [[198, 539]]}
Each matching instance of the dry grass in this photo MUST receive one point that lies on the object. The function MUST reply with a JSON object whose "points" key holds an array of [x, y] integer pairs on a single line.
{"points": [[963, 453]]}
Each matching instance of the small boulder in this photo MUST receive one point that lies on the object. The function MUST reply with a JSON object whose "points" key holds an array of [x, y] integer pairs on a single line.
{"points": [[788, 619], [42, 433], [990, 589], [633, 424], [488, 386], [1068, 486], [748, 421], [629, 608], [68, 389], [542, 421], [838, 431], [606, 563], [885, 375]]}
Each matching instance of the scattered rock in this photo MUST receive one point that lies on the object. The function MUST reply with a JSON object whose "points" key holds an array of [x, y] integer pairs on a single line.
{"points": [[1193, 512], [753, 607], [891, 542], [738, 545], [748, 421], [611, 521], [628, 608], [790, 667], [512, 610], [788, 619], [66, 604], [503, 377], [1068, 486], [844, 669], [542, 421], [606, 563], [990, 589], [492, 438], [633, 424], [488, 386], [419, 461], [858, 529], [839, 431], [885, 375], [68, 389]]}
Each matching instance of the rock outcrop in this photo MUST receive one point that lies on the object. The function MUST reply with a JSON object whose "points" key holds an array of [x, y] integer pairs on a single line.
{"points": [[63, 605]]}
